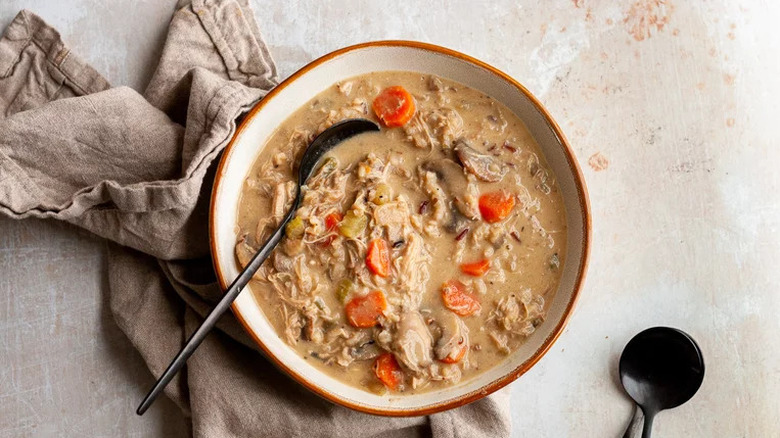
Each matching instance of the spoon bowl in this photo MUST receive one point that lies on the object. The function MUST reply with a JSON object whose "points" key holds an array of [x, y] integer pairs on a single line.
{"points": [[661, 368]]}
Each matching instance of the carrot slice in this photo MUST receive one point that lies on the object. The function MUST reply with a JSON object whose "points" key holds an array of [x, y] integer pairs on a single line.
{"points": [[388, 371], [476, 269], [394, 106], [378, 257], [458, 299], [496, 206], [456, 355], [331, 222], [364, 312]]}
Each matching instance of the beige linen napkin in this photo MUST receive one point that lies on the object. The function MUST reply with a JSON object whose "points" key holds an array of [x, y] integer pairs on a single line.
{"points": [[137, 169]]}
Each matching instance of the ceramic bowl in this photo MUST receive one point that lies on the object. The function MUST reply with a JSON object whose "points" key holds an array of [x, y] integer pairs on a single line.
{"points": [[342, 64]]}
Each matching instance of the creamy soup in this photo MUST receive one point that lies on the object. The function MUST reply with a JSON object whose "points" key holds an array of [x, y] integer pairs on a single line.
{"points": [[422, 254]]}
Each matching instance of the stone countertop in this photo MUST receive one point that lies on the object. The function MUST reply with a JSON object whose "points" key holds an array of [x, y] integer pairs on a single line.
{"points": [[672, 109]]}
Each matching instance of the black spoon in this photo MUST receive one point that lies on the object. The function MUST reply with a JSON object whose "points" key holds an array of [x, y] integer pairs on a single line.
{"points": [[322, 144], [660, 368]]}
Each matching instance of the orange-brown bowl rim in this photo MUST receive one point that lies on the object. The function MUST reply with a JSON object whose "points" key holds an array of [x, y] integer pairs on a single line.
{"points": [[492, 386]]}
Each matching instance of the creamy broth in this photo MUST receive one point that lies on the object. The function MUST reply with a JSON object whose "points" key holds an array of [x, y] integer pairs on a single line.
{"points": [[422, 254]]}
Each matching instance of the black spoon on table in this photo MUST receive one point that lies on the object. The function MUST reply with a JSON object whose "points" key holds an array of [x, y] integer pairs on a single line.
{"points": [[324, 142], [660, 368]]}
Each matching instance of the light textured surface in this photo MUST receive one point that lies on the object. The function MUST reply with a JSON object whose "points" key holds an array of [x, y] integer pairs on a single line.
{"points": [[674, 124]]}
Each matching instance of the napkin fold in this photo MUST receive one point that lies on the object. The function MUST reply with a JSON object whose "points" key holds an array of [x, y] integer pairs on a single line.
{"points": [[137, 170]]}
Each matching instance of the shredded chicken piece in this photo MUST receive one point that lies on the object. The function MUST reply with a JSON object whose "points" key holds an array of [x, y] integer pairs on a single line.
{"points": [[447, 125], [371, 169], [468, 204], [437, 195], [393, 217], [501, 341], [345, 88], [434, 84], [435, 129], [279, 159], [293, 324], [283, 198], [516, 315], [413, 344], [480, 287], [358, 108], [412, 267]]}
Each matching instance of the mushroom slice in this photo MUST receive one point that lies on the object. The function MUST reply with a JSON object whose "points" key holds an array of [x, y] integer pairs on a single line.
{"points": [[283, 198], [453, 180], [454, 341], [448, 172], [244, 252], [413, 344], [484, 167], [457, 223]]}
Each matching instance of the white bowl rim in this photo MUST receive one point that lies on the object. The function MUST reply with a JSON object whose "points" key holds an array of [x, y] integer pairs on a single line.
{"points": [[584, 204]]}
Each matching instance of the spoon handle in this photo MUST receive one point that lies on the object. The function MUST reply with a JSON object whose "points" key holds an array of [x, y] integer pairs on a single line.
{"points": [[632, 430], [224, 304], [649, 415]]}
